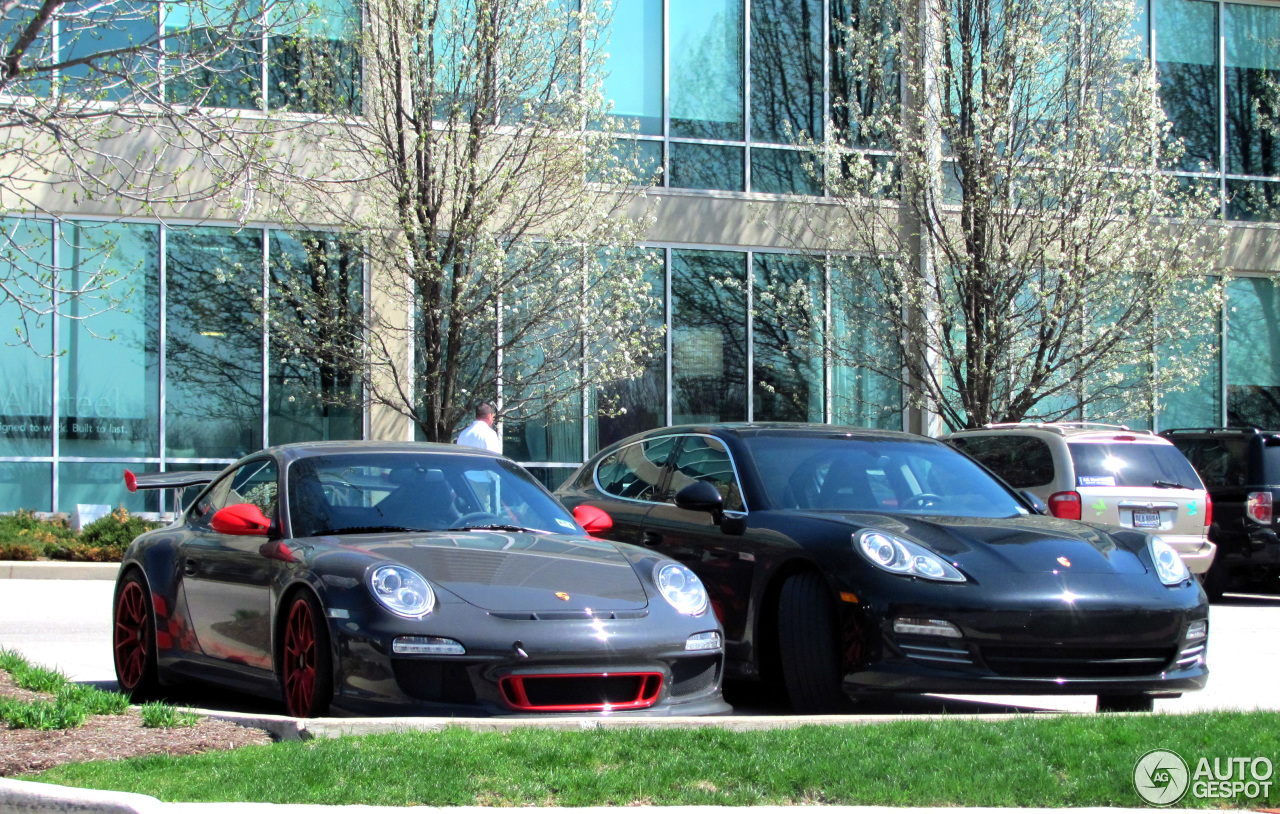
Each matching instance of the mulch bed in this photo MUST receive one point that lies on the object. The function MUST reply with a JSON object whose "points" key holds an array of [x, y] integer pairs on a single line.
{"points": [[109, 737]]}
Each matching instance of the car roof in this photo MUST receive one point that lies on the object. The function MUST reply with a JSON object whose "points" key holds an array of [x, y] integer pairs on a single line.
{"points": [[1071, 430], [748, 429]]}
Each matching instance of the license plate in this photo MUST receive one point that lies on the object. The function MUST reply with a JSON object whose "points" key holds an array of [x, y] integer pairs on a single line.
{"points": [[1146, 520]]}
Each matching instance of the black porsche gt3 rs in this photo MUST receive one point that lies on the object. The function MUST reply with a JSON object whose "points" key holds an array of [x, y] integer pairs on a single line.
{"points": [[844, 561], [407, 577]]}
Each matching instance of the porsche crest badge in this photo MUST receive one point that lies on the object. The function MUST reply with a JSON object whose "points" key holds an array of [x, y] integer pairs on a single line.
{"points": [[562, 595], [1064, 562]]}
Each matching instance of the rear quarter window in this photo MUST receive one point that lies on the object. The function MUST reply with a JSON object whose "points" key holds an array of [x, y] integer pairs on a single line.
{"points": [[1221, 462], [1022, 460], [1130, 464]]}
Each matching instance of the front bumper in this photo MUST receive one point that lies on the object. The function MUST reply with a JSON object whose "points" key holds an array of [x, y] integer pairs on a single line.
{"points": [[1196, 551], [618, 667], [1082, 640]]}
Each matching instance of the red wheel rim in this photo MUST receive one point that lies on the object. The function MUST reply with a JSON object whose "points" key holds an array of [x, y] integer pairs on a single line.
{"points": [[132, 635], [299, 659]]}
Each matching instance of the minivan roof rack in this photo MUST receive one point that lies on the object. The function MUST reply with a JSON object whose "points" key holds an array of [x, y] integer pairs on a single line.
{"points": [[1060, 426], [1215, 430]]}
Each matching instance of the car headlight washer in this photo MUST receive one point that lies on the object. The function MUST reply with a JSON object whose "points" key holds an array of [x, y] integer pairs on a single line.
{"points": [[681, 588], [892, 553], [1169, 566], [402, 590]]}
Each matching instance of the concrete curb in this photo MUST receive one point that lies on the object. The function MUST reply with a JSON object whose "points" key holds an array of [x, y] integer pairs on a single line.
{"points": [[20, 796], [285, 728], [42, 569]]}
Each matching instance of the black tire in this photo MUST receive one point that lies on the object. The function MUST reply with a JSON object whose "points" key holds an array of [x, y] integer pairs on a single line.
{"points": [[305, 670], [809, 646], [133, 638], [1126, 703]]}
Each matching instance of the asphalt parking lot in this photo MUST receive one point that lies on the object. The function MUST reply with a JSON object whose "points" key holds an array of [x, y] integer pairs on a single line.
{"points": [[66, 624]]}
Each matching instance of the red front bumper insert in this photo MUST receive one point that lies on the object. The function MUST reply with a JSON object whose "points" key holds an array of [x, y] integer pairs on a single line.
{"points": [[582, 692]]}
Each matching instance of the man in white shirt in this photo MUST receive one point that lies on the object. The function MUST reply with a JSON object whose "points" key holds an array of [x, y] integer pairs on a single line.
{"points": [[481, 434]]}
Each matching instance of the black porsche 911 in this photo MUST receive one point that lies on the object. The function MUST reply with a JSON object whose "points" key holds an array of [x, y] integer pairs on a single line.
{"points": [[844, 561], [406, 577]]}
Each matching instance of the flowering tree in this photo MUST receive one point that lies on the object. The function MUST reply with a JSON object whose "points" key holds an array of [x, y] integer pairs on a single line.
{"points": [[1011, 224], [485, 189]]}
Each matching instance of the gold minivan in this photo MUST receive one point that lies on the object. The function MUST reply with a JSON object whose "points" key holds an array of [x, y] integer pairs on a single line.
{"points": [[1104, 474]]}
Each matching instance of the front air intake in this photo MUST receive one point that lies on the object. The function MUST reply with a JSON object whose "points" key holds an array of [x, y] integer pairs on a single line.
{"points": [[582, 692]]}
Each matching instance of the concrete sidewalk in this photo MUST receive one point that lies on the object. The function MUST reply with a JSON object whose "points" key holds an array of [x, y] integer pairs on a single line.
{"points": [[54, 569], [24, 796]]}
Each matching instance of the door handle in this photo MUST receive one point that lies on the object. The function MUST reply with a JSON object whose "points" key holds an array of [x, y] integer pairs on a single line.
{"points": [[190, 567], [652, 539], [721, 554]]}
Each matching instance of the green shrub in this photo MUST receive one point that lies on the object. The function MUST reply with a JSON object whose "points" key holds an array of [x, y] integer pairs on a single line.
{"points": [[116, 530], [23, 536], [24, 552], [157, 715]]}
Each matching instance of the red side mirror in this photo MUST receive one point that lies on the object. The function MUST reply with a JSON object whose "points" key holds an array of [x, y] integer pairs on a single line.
{"points": [[241, 519], [592, 519]]}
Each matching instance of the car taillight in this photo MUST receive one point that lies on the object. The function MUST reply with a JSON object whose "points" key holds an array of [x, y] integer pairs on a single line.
{"points": [[1065, 505], [1208, 511], [1259, 507]]}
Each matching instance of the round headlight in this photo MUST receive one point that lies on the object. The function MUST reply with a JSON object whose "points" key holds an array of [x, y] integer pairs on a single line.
{"points": [[681, 587], [1169, 566], [899, 556], [401, 590]]}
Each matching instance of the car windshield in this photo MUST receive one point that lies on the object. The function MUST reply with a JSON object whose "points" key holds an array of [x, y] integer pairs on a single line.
{"points": [[1130, 464], [393, 491], [876, 475]]}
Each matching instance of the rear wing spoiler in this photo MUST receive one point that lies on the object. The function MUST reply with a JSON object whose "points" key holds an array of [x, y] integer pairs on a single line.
{"points": [[167, 480]]}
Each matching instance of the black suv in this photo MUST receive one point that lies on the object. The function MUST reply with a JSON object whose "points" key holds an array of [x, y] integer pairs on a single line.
{"points": [[1241, 469]]}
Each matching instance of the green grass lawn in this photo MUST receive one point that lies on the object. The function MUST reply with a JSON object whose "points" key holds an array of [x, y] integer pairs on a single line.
{"points": [[1029, 761]]}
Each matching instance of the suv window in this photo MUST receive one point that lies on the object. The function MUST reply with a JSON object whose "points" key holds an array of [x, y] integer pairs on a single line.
{"points": [[1131, 465], [635, 470], [1022, 460], [705, 458], [1220, 461]]}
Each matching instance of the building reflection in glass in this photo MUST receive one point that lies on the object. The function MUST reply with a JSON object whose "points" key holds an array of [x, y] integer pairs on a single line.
{"points": [[708, 336]]}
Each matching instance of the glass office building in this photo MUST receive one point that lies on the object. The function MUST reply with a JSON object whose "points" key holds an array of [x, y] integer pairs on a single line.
{"points": [[190, 370]]}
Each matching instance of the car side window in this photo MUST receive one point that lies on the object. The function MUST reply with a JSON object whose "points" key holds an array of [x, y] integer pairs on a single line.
{"points": [[1220, 461], [635, 471], [255, 483], [703, 458], [1023, 461]]}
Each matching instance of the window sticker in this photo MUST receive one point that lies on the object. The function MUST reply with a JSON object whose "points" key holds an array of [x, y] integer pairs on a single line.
{"points": [[564, 523], [1096, 480]]}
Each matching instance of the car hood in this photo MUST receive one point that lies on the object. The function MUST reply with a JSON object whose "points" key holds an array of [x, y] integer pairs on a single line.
{"points": [[1032, 544], [516, 571]]}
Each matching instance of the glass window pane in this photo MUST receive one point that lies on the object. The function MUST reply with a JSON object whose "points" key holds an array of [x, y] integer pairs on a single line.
{"points": [[1252, 71], [1187, 67], [312, 63], [786, 335], [102, 483], [26, 386], [26, 486], [1253, 353], [783, 172], [627, 407], [109, 362], [12, 25], [862, 89], [223, 72], [786, 70], [706, 69], [709, 336], [633, 69], [1253, 200], [706, 166], [702, 458], [316, 333], [642, 158], [1199, 402], [214, 344], [861, 397], [89, 27]]}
